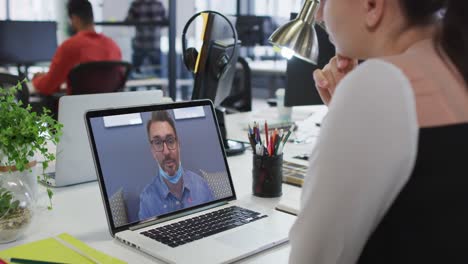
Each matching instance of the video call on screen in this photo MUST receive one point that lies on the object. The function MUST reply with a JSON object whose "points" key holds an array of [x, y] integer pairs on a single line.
{"points": [[130, 149]]}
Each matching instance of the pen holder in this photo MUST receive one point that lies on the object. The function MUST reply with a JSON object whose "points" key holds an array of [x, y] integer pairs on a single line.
{"points": [[267, 175]]}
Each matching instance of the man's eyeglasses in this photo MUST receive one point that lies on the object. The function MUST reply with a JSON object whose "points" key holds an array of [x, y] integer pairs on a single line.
{"points": [[158, 144]]}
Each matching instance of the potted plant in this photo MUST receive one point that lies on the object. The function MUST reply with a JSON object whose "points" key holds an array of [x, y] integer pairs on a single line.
{"points": [[23, 134]]}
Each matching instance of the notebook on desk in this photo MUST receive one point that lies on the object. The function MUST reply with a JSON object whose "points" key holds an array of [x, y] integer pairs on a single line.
{"points": [[74, 163], [193, 218], [290, 202], [63, 248], [294, 173]]}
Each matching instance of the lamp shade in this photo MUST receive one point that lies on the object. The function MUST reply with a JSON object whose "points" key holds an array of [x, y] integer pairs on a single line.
{"points": [[298, 37]]}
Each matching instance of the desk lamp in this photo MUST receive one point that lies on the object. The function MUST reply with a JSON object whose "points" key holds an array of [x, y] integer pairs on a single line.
{"points": [[298, 37]]}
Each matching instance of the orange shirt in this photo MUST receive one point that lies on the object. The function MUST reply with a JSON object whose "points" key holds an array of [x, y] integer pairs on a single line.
{"points": [[85, 46]]}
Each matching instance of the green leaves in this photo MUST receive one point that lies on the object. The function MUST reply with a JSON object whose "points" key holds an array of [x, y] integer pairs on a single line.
{"points": [[50, 194], [6, 205], [24, 133]]}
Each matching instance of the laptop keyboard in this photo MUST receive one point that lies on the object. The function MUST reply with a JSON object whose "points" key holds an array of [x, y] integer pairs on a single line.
{"points": [[205, 225]]}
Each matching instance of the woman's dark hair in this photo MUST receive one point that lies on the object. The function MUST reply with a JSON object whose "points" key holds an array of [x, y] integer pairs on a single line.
{"points": [[453, 35], [81, 9]]}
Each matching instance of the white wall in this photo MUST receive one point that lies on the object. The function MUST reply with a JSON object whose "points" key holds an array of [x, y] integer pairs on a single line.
{"points": [[61, 17], [2, 9], [116, 10], [32, 10]]}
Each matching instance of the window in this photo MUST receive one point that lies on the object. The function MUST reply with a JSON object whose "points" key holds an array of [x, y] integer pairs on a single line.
{"points": [[41, 9], [32, 10], [276, 8], [3, 9], [224, 7]]}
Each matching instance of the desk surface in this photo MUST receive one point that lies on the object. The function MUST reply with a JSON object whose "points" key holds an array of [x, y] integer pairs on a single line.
{"points": [[132, 24], [301, 140], [79, 211], [268, 66], [157, 81], [136, 83]]}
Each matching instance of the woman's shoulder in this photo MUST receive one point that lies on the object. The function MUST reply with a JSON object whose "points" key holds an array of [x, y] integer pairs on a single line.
{"points": [[374, 75], [379, 85], [402, 60], [380, 66], [407, 64]]}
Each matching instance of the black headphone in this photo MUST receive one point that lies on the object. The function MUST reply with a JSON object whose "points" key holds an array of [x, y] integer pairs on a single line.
{"points": [[190, 55]]}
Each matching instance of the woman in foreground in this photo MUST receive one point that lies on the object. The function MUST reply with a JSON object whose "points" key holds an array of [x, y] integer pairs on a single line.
{"points": [[387, 181]]}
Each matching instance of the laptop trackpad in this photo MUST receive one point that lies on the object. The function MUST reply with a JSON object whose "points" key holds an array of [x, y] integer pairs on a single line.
{"points": [[247, 238]]}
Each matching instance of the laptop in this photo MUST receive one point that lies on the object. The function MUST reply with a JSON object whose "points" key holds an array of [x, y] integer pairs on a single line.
{"points": [[74, 163], [201, 222]]}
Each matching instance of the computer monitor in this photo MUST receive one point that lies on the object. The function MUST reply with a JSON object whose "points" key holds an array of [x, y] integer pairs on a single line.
{"points": [[207, 83], [214, 75], [300, 84], [213, 80], [254, 30], [27, 42]]}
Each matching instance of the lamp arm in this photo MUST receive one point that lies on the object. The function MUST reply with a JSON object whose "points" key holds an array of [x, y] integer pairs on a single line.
{"points": [[308, 11]]}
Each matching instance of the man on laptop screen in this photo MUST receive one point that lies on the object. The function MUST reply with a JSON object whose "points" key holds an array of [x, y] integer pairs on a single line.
{"points": [[167, 187], [174, 188], [152, 164]]}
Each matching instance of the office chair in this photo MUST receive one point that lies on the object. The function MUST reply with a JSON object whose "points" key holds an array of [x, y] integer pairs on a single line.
{"points": [[9, 80], [89, 78], [240, 98], [99, 77]]}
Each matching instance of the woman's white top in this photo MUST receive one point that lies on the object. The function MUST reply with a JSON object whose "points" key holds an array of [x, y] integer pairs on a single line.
{"points": [[364, 156]]}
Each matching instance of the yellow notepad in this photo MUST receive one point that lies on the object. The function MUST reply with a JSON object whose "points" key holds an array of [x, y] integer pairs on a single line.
{"points": [[51, 250]]}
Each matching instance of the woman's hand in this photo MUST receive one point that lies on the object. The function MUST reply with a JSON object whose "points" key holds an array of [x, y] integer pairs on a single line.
{"points": [[328, 78]]}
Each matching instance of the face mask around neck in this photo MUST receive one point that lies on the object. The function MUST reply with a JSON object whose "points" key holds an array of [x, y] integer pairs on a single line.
{"points": [[172, 179]]}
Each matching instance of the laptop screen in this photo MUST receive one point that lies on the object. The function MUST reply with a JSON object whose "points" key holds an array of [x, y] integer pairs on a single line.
{"points": [[156, 160]]}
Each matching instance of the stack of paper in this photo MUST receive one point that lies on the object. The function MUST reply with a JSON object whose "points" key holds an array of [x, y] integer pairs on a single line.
{"points": [[290, 202]]}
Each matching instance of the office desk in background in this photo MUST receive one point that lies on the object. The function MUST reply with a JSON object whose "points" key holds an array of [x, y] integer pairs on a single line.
{"points": [[274, 70], [302, 140], [150, 82], [163, 83], [79, 211], [268, 66]]}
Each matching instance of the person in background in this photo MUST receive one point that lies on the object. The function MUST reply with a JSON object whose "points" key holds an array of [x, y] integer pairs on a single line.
{"points": [[87, 45], [388, 180], [174, 188], [146, 43]]}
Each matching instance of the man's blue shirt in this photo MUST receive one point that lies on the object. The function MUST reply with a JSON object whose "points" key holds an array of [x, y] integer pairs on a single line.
{"points": [[156, 199]]}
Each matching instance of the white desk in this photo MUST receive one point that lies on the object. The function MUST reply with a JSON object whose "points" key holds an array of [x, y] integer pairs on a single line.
{"points": [[157, 82], [79, 211], [32, 90], [305, 117], [268, 67], [274, 70], [164, 82]]}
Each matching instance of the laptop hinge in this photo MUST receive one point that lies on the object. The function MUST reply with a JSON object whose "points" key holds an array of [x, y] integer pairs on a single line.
{"points": [[157, 221]]}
